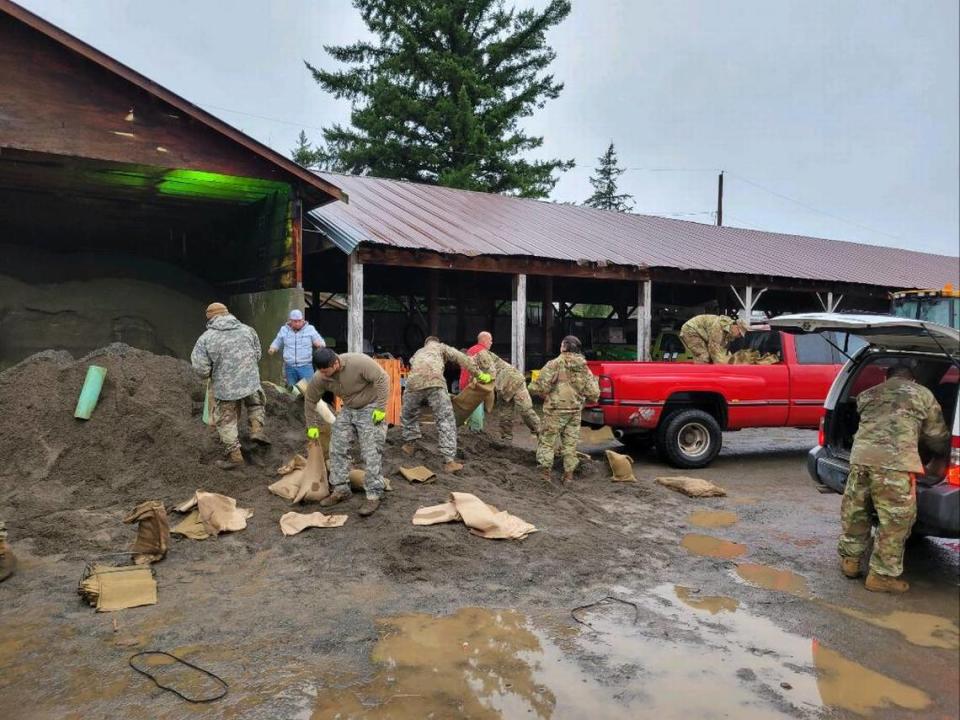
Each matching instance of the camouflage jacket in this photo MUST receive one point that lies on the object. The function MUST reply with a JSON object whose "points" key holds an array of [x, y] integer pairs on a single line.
{"points": [[895, 417], [714, 330], [427, 363], [508, 380], [228, 353], [566, 383]]}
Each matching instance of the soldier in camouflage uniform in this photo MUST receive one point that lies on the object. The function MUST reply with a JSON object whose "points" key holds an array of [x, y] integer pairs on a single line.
{"points": [[8, 562], [706, 337], [425, 382], [512, 394], [228, 353], [895, 417], [364, 388], [566, 383]]}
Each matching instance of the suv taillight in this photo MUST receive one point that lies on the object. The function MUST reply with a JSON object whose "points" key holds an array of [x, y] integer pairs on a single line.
{"points": [[953, 470], [821, 435], [606, 387]]}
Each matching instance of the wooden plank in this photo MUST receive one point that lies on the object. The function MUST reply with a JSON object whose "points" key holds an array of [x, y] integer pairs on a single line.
{"points": [[392, 368], [381, 255], [296, 240], [518, 325], [354, 304]]}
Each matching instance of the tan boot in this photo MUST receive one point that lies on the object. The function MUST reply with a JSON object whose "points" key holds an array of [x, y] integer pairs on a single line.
{"points": [[8, 561], [885, 583], [850, 567], [567, 477], [369, 507], [408, 449], [234, 459], [256, 433], [340, 493], [452, 466], [546, 474]]}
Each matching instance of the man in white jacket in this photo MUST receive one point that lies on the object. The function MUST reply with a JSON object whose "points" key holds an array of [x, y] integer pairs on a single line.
{"points": [[297, 339]]}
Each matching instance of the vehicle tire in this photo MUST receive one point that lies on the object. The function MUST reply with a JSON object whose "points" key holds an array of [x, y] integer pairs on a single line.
{"points": [[689, 438]]}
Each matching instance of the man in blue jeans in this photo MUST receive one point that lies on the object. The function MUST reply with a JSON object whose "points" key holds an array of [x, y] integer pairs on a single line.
{"points": [[297, 338]]}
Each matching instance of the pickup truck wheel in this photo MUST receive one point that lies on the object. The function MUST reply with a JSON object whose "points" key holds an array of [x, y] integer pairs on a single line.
{"points": [[689, 438]]}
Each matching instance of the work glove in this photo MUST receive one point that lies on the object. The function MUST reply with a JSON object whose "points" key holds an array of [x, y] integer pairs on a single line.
{"points": [[377, 416], [484, 378], [313, 433]]}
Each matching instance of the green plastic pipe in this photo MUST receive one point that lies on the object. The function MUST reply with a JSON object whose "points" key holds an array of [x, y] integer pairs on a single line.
{"points": [[90, 392], [206, 405]]}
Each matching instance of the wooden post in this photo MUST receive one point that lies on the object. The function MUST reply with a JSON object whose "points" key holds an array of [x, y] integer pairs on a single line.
{"points": [[547, 317], [354, 303], [518, 329], [433, 301], [747, 301], [644, 315], [296, 238]]}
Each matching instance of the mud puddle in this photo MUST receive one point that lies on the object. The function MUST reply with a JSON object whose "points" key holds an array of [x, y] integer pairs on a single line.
{"points": [[713, 604], [712, 518], [710, 546], [916, 628], [771, 578]]}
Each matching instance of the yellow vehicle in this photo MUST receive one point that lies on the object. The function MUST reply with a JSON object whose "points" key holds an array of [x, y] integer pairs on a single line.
{"points": [[937, 306]]}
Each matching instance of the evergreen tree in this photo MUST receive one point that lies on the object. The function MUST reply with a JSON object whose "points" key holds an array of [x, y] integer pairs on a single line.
{"points": [[439, 96], [605, 196], [306, 155]]}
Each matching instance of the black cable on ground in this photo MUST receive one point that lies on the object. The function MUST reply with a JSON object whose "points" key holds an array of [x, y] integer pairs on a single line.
{"points": [[188, 664], [636, 608]]}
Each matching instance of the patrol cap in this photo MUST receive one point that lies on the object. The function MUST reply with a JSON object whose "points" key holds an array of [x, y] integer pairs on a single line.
{"points": [[296, 315], [214, 309]]}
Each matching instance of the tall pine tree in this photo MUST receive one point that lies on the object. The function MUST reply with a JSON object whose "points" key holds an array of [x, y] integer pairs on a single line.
{"points": [[605, 195], [308, 156], [439, 96]]}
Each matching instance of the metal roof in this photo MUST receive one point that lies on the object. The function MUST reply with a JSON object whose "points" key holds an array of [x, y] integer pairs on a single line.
{"points": [[462, 222]]}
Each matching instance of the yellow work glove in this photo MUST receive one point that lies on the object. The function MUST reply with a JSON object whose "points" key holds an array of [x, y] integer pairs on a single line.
{"points": [[484, 378], [377, 416], [313, 433]]}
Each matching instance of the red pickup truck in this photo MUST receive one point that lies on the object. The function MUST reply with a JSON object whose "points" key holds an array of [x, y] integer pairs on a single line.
{"points": [[682, 408]]}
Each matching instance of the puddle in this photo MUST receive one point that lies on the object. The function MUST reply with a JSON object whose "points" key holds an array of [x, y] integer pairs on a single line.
{"points": [[712, 518], [771, 578], [713, 604], [916, 628], [709, 546], [848, 685]]}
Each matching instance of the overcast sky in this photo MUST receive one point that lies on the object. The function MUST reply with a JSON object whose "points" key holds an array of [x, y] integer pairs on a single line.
{"points": [[834, 118]]}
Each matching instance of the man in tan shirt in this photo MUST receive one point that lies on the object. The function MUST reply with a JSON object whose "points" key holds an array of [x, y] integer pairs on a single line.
{"points": [[364, 388]]}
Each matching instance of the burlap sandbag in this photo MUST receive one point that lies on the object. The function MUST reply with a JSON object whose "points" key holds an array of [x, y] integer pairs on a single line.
{"points": [[471, 398], [692, 487], [153, 533], [357, 476], [303, 474], [622, 466]]}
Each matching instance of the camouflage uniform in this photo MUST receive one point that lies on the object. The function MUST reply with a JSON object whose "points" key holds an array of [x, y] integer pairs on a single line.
{"points": [[426, 382], [358, 422], [512, 394], [894, 417], [706, 337], [228, 353], [566, 383]]}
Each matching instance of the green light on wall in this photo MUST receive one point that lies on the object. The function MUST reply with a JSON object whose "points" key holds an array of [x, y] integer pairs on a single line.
{"points": [[200, 184]]}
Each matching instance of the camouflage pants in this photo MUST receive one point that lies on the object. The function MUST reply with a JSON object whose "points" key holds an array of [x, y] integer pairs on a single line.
{"points": [[3, 531], [507, 410], [226, 416], [893, 494], [358, 424], [696, 347], [439, 402], [562, 426]]}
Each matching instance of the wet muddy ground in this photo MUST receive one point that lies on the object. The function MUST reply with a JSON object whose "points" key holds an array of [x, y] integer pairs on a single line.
{"points": [[679, 608]]}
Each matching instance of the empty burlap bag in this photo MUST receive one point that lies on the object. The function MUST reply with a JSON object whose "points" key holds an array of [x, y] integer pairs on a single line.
{"points": [[692, 487], [483, 520], [356, 478], [292, 523], [298, 463], [308, 474], [419, 474], [215, 513], [471, 398], [622, 466], [153, 533]]}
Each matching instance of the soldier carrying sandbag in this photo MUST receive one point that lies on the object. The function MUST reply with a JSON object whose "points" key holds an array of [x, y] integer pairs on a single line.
{"points": [[512, 394], [707, 337]]}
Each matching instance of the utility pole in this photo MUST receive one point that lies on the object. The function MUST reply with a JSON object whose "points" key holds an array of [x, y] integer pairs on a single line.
{"points": [[720, 200]]}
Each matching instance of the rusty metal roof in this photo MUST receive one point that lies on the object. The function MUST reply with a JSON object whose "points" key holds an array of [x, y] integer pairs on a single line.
{"points": [[445, 220]]}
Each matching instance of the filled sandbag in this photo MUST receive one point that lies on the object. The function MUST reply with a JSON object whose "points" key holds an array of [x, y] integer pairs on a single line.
{"points": [[622, 466], [474, 395], [692, 487]]}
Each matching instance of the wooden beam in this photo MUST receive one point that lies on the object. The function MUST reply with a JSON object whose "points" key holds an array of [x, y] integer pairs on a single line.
{"points": [[354, 304], [379, 255], [518, 328], [547, 316], [644, 315], [296, 240], [433, 302]]}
